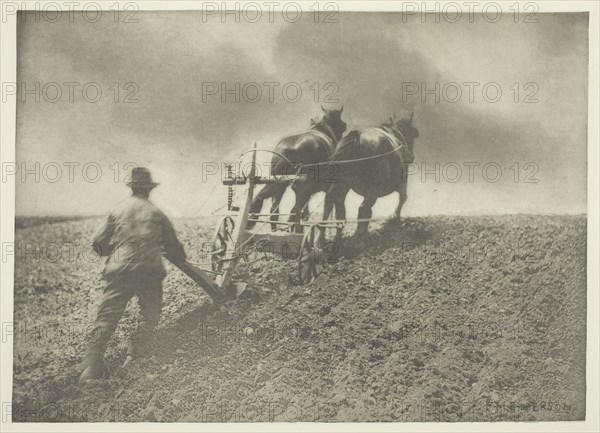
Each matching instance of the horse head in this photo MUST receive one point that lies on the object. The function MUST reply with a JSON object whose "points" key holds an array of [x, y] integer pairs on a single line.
{"points": [[332, 122], [404, 129]]}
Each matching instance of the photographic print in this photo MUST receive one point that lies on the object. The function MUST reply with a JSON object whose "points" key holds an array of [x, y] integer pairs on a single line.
{"points": [[304, 212]]}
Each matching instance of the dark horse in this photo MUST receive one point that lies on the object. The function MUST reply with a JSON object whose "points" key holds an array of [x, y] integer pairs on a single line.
{"points": [[381, 157], [313, 148]]}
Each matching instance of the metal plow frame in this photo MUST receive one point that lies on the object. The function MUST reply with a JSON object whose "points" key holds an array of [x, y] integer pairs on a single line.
{"points": [[231, 235]]}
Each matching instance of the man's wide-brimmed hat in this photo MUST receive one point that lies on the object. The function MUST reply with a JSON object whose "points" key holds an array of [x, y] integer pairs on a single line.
{"points": [[141, 178]]}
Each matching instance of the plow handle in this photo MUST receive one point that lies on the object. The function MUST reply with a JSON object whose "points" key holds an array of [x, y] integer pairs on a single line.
{"points": [[201, 279]]}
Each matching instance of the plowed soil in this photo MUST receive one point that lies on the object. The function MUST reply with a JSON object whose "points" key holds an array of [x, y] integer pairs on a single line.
{"points": [[428, 319]]}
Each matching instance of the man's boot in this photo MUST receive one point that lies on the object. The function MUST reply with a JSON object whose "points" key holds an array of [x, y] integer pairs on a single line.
{"points": [[93, 369]]}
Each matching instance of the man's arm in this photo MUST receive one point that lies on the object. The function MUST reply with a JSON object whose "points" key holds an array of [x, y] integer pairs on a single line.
{"points": [[171, 246], [101, 243]]}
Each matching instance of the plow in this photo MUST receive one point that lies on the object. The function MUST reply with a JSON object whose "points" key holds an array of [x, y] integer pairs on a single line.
{"points": [[303, 243]]}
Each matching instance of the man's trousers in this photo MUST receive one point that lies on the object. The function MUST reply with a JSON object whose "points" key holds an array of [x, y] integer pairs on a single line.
{"points": [[117, 293]]}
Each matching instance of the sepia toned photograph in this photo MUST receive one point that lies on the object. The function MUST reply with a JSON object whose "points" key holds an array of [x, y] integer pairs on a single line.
{"points": [[299, 213]]}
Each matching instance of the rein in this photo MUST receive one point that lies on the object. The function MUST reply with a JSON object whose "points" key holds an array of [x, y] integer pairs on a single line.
{"points": [[403, 146], [397, 131], [384, 128]]}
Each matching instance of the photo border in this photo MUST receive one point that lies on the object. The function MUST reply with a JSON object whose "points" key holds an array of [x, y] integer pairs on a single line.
{"points": [[8, 60]]}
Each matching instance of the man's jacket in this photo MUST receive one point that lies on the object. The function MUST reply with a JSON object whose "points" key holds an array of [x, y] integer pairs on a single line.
{"points": [[135, 236]]}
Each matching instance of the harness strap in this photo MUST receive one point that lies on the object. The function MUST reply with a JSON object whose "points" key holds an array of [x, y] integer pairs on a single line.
{"points": [[402, 145]]}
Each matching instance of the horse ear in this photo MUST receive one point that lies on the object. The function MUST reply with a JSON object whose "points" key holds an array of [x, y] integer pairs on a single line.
{"points": [[395, 117], [323, 109], [341, 109], [411, 116]]}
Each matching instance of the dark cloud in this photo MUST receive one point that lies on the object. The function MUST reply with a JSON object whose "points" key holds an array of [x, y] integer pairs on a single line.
{"points": [[368, 57]]}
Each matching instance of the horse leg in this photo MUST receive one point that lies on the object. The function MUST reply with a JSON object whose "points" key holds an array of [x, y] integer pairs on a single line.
{"points": [[364, 214], [401, 199], [276, 201], [330, 197], [340, 206], [303, 195], [340, 210], [304, 215], [337, 197], [257, 204], [402, 196]]}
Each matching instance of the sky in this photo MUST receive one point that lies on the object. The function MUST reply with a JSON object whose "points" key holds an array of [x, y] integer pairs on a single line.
{"points": [[513, 155]]}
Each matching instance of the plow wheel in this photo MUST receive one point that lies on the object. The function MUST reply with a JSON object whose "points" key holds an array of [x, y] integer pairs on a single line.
{"points": [[310, 256], [221, 242]]}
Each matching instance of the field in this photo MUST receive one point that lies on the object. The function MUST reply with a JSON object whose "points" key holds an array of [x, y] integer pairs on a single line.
{"points": [[431, 319]]}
